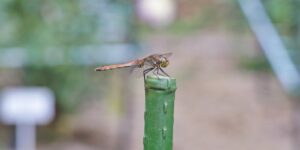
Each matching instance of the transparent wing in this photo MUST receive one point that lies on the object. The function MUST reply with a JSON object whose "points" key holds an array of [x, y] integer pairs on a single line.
{"points": [[139, 72], [136, 72], [167, 55]]}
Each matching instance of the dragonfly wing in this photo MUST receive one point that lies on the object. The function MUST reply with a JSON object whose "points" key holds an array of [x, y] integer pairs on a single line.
{"points": [[167, 55], [157, 57], [136, 72], [148, 63]]}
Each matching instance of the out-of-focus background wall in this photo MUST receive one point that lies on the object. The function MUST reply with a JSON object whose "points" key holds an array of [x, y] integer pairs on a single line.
{"points": [[228, 95]]}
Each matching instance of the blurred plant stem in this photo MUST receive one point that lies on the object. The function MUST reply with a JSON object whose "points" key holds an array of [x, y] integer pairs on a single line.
{"points": [[120, 98]]}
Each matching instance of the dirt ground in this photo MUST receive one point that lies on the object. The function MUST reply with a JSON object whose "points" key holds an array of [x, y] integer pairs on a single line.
{"points": [[218, 106]]}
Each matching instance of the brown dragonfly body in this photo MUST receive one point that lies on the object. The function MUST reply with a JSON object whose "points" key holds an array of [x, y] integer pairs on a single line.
{"points": [[155, 63]]}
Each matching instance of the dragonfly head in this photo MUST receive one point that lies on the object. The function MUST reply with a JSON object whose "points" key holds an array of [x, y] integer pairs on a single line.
{"points": [[164, 63]]}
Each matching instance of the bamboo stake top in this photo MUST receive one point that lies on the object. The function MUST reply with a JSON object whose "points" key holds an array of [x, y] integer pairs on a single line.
{"points": [[160, 83]]}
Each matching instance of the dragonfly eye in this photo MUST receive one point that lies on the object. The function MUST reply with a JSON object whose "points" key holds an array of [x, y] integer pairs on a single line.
{"points": [[164, 63]]}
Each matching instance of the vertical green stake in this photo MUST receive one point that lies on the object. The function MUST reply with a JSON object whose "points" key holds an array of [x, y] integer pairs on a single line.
{"points": [[159, 113]]}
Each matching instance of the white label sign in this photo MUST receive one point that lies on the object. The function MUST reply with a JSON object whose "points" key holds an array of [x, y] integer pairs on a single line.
{"points": [[27, 105]]}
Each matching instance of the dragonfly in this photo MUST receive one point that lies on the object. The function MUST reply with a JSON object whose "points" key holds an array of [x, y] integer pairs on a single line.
{"points": [[154, 63]]}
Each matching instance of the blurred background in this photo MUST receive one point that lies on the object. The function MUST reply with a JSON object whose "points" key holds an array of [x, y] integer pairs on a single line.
{"points": [[236, 64]]}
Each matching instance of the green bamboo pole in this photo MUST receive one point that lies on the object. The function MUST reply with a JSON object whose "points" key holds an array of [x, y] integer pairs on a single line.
{"points": [[159, 113]]}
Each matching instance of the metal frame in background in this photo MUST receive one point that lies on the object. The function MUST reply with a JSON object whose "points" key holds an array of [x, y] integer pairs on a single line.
{"points": [[272, 45]]}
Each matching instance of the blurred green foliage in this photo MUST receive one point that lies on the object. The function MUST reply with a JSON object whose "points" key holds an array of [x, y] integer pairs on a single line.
{"points": [[59, 25], [258, 64], [72, 84], [37, 25], [282, 15], [44, 23], [285, 16]]}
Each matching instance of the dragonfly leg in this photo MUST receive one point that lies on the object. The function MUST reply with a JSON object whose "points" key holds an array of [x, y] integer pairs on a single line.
{"points": [[147, 71], [159, 73], [155, 72], [163, 72]]}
